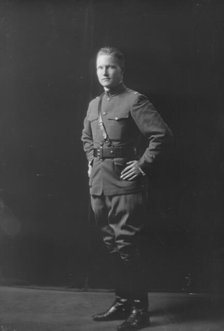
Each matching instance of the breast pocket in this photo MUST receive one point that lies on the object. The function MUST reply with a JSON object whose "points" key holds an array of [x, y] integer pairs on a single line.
{"points": [[118, 126]]}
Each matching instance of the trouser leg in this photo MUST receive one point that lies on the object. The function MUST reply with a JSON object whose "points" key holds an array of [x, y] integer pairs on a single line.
{"points": [[121, 219], [128, 219], [101, 207], [121, 306]]}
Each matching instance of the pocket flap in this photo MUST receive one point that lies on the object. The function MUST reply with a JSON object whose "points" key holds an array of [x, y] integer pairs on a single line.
{"points": [[118, 116], [93, 116]]}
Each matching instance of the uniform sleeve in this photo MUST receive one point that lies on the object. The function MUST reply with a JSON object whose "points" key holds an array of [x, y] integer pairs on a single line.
{"points": [[87, 139], [153, 127]]}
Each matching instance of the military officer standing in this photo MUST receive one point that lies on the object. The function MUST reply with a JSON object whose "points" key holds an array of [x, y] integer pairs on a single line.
{"points": [[114, 126]]}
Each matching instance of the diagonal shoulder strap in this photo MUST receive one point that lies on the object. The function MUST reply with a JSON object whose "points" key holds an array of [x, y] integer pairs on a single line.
{"points": [[100, 121]]}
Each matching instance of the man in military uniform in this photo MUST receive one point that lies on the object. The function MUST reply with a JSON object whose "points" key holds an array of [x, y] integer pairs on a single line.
{"points": [[114, 126]]}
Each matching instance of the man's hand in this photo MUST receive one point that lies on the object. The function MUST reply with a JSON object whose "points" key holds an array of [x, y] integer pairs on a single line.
{"points": [[131, 171]]}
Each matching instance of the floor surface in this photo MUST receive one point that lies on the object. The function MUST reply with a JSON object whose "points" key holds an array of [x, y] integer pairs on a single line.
{"points": [[38, 309]]}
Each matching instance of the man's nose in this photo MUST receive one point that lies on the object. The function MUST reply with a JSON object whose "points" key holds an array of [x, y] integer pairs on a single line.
{"points": [[105, 71]]}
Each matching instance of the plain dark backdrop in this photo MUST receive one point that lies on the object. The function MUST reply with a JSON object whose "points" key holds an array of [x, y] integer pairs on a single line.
{"points": [[175, 52]]}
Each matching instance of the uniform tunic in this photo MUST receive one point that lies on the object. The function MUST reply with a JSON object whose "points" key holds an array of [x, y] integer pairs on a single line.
{"points": [[128, 116]]}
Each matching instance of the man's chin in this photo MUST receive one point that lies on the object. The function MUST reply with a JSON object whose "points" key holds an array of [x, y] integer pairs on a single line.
{"points": [[107, 85]]}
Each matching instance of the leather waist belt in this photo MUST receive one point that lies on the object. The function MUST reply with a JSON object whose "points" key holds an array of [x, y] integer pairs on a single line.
{"points": [[112, 152]]}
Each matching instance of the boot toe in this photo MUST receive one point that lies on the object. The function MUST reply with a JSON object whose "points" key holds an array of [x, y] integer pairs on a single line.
{"points": [[136, 321], [115, 312]]}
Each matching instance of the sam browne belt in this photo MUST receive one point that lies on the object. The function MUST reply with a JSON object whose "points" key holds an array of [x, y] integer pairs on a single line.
{"points": [[113, 152]]}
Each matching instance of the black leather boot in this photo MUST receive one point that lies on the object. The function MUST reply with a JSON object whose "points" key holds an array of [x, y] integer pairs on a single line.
{"points": [[120, 309], [138, 319]]}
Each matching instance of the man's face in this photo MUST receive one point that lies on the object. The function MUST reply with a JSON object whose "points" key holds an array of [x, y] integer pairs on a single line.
{"points": [[108, 71]]}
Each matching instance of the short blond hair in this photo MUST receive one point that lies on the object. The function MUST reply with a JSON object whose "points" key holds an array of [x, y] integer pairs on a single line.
{"points": [[115, 52]]}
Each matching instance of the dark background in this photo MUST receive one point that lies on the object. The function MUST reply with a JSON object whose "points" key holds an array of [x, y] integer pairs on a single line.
{"points": [[174, 55]]}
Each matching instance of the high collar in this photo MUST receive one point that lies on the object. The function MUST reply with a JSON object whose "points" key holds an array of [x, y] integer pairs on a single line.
{"points": [[116, 90]]}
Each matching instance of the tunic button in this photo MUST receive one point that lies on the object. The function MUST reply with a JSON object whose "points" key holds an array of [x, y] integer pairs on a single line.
{"points": [[116, 118], [104, 113], [111, 152]]}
